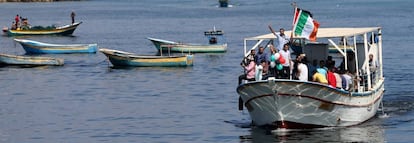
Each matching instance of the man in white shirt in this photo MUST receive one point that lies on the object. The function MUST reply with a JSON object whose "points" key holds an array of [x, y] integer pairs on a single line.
{"points": [[282, 39], [286, 66], [302, 71]]}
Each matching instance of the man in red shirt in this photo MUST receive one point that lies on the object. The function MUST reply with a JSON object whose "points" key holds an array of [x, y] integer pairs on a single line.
{"points": [[331, 78], [17, 19]]}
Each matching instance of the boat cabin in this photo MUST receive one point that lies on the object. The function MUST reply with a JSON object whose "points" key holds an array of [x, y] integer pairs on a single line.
{"points": [[215, 36], [349, 48]]}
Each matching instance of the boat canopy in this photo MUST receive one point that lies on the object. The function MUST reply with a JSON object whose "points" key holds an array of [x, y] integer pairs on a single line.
{"points": [[326, 33], [214, 32]]}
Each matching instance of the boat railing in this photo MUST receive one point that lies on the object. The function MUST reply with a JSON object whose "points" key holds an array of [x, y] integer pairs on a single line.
{"points": [[168, 47]]}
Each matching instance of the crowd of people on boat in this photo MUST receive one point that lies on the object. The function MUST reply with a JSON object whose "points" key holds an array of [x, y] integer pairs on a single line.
{"points": [[20, 23], [279, 64]]}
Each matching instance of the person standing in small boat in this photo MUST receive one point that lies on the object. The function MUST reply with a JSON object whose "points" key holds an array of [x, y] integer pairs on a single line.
{"points": [[72, 16], [17, 19]]}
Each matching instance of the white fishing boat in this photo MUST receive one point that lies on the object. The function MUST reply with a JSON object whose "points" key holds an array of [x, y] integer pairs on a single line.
{"points": [[216, 44], [294, 104]]}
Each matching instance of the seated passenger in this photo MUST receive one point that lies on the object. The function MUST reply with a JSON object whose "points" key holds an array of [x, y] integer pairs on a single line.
{"points": [[13, 27], [260, 70], [337, 78], [318, 77], [347, 82], [331, 78]]}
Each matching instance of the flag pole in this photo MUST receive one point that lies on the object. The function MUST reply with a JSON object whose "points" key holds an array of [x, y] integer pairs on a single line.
{"points": [[295, 6]]}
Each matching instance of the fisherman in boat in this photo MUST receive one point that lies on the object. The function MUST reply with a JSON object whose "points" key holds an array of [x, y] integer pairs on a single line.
{"points": [[25, 24], [213, 40], [13, 26], [72, 16], [17, 19]]}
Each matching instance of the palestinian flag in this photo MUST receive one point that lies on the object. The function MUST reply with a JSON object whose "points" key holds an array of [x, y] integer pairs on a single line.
{"points": [[304, 25]]}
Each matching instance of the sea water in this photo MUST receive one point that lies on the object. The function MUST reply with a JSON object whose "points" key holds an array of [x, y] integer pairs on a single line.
{"points": [[88, 101]]}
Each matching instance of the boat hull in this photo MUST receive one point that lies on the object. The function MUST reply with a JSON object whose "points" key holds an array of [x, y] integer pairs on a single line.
{"points": [[170, 46], [34, 47], [298, 105], [64, 30], [6, 59], [124, 59]]}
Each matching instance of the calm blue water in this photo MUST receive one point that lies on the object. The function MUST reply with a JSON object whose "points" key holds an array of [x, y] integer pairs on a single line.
{"points": [[87, 101]]}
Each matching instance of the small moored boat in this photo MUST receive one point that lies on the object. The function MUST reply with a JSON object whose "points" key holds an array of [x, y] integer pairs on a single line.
{"points": [[35, 47], [61, 30], [216, 44], [6, 59], [126, 59]]}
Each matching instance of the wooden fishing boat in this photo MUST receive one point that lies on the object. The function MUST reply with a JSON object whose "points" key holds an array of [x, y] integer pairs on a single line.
{"points": [[35, 47], [297, 104], [125, 59], [6, 59], [62, 30], [216, 44]]}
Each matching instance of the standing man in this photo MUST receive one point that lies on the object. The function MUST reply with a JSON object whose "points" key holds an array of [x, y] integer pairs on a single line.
{"points": [[72, 15], [286, 66], [17, 19], [282, 39]]}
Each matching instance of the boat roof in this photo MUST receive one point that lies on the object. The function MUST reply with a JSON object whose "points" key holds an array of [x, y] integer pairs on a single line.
{"points": [[326, 32]]}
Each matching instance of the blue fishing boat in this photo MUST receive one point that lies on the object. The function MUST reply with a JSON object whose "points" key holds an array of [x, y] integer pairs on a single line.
{"points": [[28, 61], [216, 44], [36, 47], [38, 30], [126, 59]]}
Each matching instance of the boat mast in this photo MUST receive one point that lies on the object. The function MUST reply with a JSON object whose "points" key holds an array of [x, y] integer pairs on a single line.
{"points": [[380, 51], [356, 63], [368, 73], [344, 40]]}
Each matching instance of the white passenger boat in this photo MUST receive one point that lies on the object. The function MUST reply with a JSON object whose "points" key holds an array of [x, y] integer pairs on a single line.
{"points": [[294, 104]]}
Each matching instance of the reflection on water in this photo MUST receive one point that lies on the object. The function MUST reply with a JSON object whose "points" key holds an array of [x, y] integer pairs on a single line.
{"points": [[396, 119], [363, 133]]}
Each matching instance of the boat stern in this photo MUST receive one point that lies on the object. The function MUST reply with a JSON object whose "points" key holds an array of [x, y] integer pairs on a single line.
{"points": [[190, 59]]}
